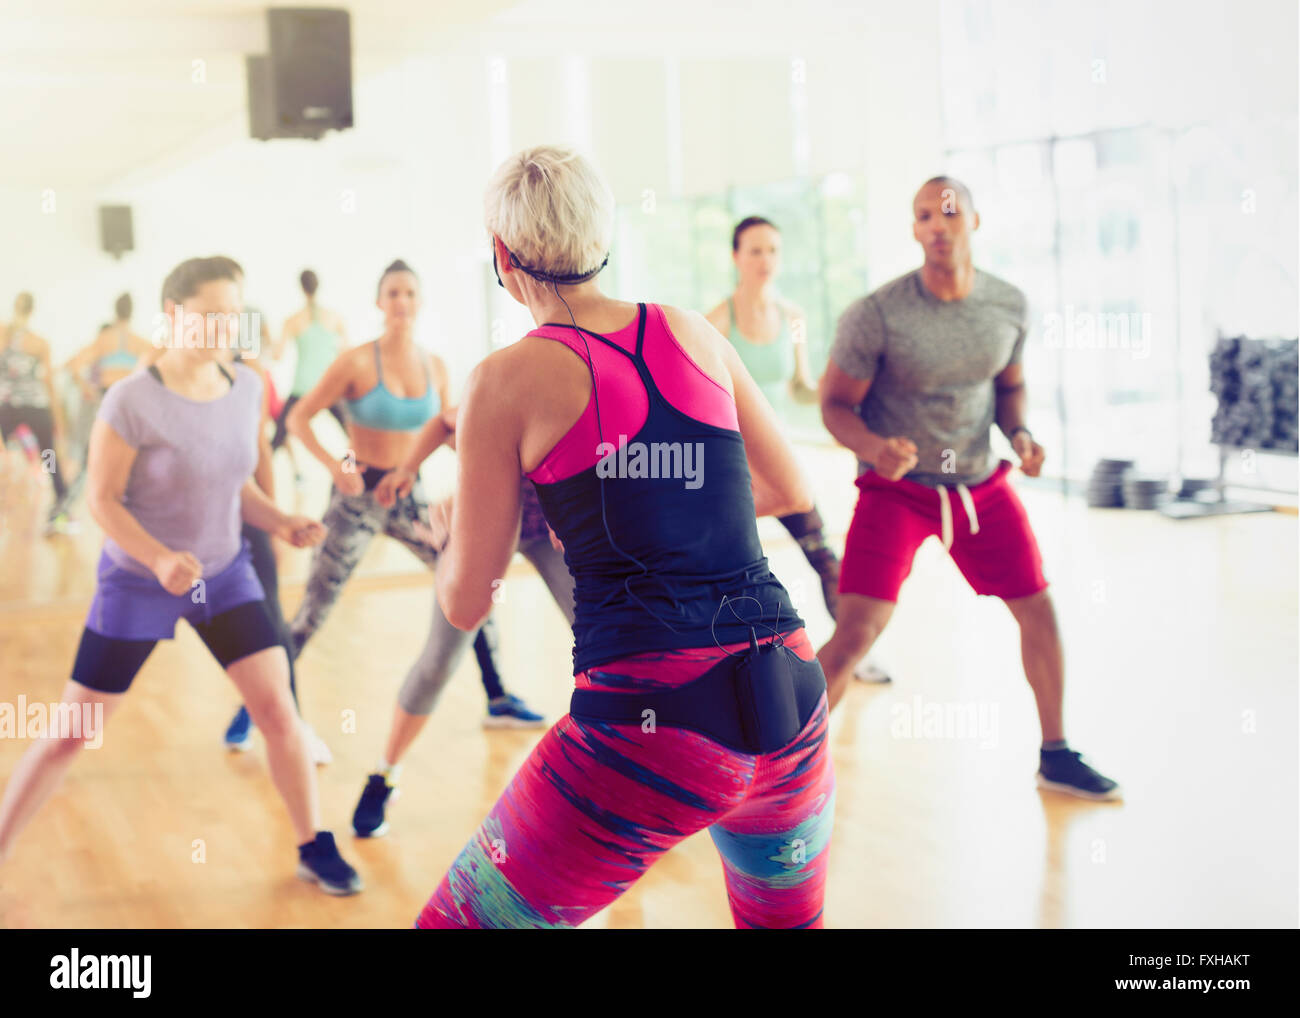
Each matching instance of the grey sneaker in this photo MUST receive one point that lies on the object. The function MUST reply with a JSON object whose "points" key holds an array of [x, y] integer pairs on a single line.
{"points": [[871, 670]]}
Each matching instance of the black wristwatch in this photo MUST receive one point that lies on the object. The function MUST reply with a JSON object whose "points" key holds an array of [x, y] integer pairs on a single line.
{"points": [[1015, 431]]}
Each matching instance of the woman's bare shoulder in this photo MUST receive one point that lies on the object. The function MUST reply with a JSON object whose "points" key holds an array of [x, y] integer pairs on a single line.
{"points": [[691, 327], [356, 359]]}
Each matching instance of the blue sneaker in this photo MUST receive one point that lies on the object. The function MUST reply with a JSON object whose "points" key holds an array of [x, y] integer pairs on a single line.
{"points": [[511, 712], [239, 736], [319, 862], [368, 819]]}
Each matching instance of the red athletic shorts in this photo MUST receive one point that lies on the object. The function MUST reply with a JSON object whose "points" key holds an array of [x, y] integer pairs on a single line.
{"points": [[274, 404], [995, 551]]}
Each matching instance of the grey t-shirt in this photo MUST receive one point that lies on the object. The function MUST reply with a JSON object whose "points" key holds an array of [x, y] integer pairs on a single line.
{"points": [[931, 364], [191, 462]]}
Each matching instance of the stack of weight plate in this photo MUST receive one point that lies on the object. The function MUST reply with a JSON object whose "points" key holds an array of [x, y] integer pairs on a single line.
{"points": [[1106, 486], [1145, 492], [1285, 371]]}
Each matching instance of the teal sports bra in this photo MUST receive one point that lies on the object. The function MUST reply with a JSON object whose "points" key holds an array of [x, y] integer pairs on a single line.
{"points": [[121, 358], [381, 410], [317, 347], [771, 365]]}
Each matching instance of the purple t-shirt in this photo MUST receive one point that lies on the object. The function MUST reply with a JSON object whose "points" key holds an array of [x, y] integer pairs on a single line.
{"points": [[191, 462]]}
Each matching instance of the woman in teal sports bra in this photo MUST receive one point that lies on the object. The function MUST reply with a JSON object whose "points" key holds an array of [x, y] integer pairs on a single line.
{"points": [[391, 389], [759, 324], [762, 325], [772, 364], [319, 336], [112, 355]]}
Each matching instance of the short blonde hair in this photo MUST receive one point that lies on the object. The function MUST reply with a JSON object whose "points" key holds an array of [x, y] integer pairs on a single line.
{"points": [[552, 208]]}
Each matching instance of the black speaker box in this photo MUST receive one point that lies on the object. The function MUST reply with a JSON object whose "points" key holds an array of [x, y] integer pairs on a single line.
{"points": [[303, 87], [116, 235], [261, 103]]}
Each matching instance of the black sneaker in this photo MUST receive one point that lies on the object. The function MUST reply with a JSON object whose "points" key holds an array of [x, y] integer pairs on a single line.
{"points": [[368, 819], [319, 861], [1063, 770]]}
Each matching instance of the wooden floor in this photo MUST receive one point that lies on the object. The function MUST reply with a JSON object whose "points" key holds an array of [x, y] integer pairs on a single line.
{"points": [[1182, 683]]}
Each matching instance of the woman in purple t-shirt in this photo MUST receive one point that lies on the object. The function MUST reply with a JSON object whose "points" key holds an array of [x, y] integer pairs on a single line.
{"points": [[171, 462]]}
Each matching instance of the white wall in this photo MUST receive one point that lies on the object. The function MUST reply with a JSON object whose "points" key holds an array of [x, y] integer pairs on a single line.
{"points": [[407, 181], [51, 248]]}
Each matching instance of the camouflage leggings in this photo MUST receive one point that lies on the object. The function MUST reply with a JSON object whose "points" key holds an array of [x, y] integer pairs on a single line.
{"points": [[352, 521]]}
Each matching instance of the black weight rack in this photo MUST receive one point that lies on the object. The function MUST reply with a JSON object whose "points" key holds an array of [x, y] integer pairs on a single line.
{"points": [[1256, 382]]}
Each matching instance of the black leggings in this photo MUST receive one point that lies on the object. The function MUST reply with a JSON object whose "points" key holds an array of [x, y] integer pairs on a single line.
{"points": [[259, 544], [41, 422], [108, 665], [282, 427]]}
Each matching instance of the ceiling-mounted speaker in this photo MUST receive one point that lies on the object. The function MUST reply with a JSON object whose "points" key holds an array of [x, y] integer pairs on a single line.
{"points": [[303, 86], [261, 101], [116, 234]]}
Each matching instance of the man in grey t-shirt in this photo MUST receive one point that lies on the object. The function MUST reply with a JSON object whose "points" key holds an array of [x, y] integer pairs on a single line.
{"points": [[921, 369], [933, 366]]}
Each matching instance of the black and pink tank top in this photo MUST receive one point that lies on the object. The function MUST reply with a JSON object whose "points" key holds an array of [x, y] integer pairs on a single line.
{"points": [[676, 503]]}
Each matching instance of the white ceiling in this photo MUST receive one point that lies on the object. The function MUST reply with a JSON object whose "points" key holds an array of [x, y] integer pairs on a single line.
{"points": [[95, 92], [90, 91]]}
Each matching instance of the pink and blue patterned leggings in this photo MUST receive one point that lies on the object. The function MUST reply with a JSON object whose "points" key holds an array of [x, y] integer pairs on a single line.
{"points": [[596, 804]]}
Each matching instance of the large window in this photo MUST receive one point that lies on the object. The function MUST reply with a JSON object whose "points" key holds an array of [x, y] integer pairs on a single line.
{"points": [[679, 252], [1084, 227], [1140, 220]]}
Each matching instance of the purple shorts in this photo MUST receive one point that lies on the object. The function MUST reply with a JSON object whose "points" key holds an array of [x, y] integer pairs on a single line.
{"points": [[128, 606]]}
